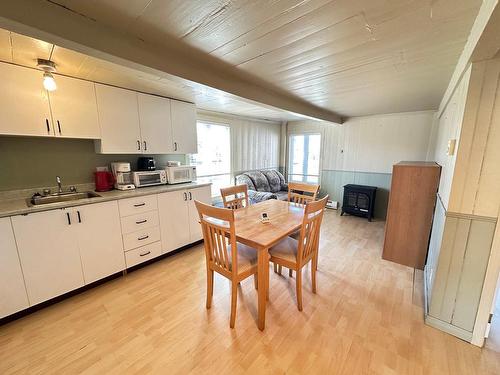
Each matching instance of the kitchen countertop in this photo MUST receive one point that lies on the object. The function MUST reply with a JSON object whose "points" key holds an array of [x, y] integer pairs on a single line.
{"points": [[12, 207]]}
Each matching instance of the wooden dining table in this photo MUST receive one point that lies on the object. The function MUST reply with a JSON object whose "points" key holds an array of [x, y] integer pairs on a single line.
{"points": [[284, 218]]}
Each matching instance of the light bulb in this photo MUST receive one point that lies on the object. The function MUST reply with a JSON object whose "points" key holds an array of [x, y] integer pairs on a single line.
{"points": [[48, 82]]}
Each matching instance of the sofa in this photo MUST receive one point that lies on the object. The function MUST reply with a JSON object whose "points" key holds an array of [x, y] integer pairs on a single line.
{"points": [[263, 185]]}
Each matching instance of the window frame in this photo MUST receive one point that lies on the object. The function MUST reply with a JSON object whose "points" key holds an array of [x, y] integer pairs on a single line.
{"points": [[289, 159]]}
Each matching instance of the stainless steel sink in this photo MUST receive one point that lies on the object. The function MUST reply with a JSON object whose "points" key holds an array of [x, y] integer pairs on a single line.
{"points": [[61, 197]]}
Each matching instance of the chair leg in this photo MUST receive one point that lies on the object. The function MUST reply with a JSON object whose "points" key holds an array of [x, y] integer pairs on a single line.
{"points": [[255, 281], [234, 297], [313, 275], [275, 267], [299, 289], [210, 287], [280, 268], [290, 272]]}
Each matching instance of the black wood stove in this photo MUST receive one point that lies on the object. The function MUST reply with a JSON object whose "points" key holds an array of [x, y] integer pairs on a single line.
{"points": [[359, 200]]}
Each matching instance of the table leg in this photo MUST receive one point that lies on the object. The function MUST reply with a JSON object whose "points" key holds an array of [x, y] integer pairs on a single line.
{"points": [[263, 272]]}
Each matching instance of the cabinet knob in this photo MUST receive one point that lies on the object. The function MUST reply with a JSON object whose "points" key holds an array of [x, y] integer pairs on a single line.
{"points": [[48, 126], [185, 196], [175, 146], [145, 146], [59, 126], [138, 145]]}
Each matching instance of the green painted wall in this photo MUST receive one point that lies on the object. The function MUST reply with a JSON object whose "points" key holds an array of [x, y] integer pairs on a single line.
{"points": [[332, 183], [27, 162]]}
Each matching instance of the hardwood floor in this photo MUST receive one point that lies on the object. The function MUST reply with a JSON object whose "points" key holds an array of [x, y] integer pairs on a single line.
{"points": [[367, 318]]}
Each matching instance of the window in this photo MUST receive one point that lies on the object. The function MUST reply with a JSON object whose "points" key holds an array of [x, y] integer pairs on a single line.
{"points": [[213, 160], [303, 157]]}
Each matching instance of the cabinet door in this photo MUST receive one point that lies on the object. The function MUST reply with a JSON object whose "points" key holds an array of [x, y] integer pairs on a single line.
{"points": [[24, 106], [13, 297], [99, 240], [74, 109], [49, 255], [119, 121], [156, 124], [174, 220], [204, 195], [184, 127]]}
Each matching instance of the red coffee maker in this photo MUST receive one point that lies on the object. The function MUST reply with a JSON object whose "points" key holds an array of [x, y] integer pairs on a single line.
{"points": [[104, 181]]}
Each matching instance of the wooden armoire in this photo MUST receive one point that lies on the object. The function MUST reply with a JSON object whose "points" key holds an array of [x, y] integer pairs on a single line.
{"points": [[411, 208]]}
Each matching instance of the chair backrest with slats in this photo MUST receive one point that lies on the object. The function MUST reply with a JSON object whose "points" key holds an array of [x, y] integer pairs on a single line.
{"points": [[300, 193], [218, 233], [235, 197], [309, 233]]}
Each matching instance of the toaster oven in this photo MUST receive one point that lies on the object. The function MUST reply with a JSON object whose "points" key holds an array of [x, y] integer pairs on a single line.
{"points": [[149, 178]]}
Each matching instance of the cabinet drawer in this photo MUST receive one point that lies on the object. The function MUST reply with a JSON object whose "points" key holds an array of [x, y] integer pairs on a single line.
{"points": [[132, 206], [139, 221], [142, 254], [141, 237]]}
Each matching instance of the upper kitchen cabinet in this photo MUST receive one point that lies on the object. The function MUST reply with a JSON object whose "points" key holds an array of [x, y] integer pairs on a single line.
{"points": [[184, 127], [74, 109], [119, 121], [156, 124], [24, 105]]}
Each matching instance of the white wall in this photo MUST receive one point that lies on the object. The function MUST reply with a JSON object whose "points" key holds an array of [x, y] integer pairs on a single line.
{"points": [[371, 143]]}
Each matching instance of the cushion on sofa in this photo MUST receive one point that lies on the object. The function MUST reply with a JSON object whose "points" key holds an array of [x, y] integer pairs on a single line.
{"points": [[283, 184], [244, 179], [273, 179], [259, 180]]}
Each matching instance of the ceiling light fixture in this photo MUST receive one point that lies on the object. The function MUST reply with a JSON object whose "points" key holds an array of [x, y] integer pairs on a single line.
{"points": [[48, 68]]}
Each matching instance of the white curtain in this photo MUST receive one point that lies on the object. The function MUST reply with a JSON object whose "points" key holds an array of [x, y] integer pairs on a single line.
{"points": [[255, 144]]}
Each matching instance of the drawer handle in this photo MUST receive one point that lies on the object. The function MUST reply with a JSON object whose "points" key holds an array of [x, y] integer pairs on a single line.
{"points": [[144, 254], [139, 204], [141, 221], [143, 238]]}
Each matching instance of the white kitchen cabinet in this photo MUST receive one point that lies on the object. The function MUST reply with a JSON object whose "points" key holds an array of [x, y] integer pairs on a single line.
{"points": [[49, 254], [204, 195], [174, 219], [74, 109], [24, 105], [99, 240], [156, 124], [13, 297], [119, 121], [184, 127], [179, 217]]}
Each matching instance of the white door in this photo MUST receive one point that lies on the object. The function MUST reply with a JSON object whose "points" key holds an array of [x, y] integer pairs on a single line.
{"points": [[48, 250], [156, 124], [204, 195], [174, 219], [13, 297], [24, 106], [119, 121], [74, 109], [184, 127], [99, 240]]}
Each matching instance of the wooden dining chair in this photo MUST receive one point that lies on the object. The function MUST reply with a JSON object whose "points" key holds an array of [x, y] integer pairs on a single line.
{"points": [[301, 193], [232, 260], [235, 197], [294, 254]]}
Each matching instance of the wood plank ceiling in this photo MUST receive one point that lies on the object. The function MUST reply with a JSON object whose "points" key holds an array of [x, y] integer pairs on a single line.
{"points": [[352, 57]]}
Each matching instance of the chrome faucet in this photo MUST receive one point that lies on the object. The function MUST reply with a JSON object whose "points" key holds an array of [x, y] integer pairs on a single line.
{"points": [[58, 179]]}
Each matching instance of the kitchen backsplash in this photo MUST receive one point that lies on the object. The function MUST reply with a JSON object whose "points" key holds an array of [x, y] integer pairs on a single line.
{"points": [[35, 162]]}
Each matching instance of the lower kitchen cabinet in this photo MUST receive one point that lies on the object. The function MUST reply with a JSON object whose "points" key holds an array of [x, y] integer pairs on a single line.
{"points": [[49, 254], [179, 217], [13, 297], [99, 240]]}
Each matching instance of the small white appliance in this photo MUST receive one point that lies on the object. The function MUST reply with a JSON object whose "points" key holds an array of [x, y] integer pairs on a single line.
{"points": [[149, 178], [123, 176], [180, 174], [173, 163]]}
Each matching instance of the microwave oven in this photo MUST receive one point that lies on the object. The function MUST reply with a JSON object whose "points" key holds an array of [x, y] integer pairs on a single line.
{"points": [[180, 174], [149, 178]]}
